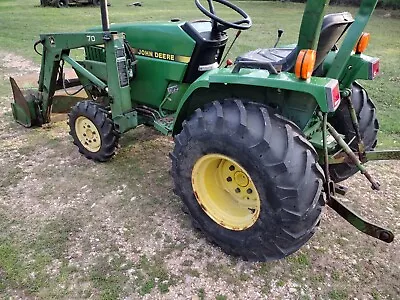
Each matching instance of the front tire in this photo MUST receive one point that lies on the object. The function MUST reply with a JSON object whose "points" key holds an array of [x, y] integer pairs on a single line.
{"points": [[272, 159], [93, 131]]}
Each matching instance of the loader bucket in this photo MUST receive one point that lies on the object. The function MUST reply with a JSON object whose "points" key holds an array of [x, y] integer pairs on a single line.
{"points": [[24, 105], [31, 109]]}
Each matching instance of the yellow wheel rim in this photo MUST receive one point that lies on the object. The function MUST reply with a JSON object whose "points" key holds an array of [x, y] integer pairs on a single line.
{"points": [[87, 134], [226, 192]]}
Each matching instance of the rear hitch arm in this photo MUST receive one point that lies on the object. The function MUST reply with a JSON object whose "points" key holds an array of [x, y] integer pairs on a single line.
{"points": [[331, 188], [358, 222]]}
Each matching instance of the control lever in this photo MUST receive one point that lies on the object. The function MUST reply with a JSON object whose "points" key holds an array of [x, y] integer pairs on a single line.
{"points": [[280, 33]]}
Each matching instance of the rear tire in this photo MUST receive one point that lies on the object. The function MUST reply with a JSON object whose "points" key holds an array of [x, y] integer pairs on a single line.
{"points": [[93, 131], [369, 126], [279, 161]]}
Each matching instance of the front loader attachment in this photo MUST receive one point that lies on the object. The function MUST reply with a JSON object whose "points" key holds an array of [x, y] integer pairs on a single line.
{"points": [[24, 108], [28, 102]]}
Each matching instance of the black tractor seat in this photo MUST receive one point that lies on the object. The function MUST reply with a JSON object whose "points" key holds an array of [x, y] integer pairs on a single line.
{"points": [[333, 28]]}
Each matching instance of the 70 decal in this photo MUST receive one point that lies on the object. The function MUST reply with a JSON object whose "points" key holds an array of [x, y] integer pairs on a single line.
{"points": [[91, 38]]}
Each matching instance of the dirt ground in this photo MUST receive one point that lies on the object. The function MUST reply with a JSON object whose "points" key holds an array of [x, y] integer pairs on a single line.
{"points": [[71, 228]]}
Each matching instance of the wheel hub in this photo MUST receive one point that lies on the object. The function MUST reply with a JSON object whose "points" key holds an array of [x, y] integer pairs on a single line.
{"points": [[241, 179], [226, 192], [87, 134]]}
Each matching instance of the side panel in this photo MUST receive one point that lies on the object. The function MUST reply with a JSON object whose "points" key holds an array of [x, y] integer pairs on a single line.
{"points": [[152, 79], [163, 51]]}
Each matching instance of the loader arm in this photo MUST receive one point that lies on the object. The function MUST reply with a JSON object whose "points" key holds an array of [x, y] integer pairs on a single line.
{"points": [[56, 49]]}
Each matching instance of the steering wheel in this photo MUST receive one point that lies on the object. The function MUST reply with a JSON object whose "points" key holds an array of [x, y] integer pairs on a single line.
{"points": [[243, 24]]}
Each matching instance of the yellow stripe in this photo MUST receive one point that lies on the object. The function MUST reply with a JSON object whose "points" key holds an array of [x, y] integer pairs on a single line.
{"points": [[182, 59]]}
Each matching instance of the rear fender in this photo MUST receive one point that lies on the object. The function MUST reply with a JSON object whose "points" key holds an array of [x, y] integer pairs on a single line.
{"points": [[255, 84]]}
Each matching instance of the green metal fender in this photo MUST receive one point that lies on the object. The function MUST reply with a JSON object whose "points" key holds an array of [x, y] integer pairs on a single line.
{"points": [[316, 87]]}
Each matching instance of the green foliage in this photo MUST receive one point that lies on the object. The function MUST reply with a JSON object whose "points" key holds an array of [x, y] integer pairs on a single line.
{"points": [[201, 294], [394, 4], [17, 271], [147, 287], [338, 295], [53, 238], [391, 4], [10, 265], [109, 278], [300, 260], [153, 273]]}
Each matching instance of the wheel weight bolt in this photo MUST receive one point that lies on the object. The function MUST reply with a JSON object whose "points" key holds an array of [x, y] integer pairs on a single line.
{"points": [[249, 191], [229, 179], [232, 168], [237, 190]]}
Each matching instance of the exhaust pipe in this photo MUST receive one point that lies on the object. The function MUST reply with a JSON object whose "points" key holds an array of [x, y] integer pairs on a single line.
{"points": [[104, 16]]}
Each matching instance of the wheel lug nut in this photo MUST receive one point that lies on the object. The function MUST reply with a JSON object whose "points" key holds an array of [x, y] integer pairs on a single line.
{"points": [[229, 179], [237, 190], [249, 191], [232, 168]]}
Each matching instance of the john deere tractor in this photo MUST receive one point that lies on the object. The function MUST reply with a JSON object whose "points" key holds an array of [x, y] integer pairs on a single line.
{"points": [[261, 143]]}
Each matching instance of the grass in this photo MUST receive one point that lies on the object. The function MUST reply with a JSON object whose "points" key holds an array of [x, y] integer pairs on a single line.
{"points": [[338, 295], [201, 294], [26, 270], [109, 277]]}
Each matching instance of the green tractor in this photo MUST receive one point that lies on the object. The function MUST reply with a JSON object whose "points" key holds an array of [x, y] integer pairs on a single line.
{"points": [[260, 143]]}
